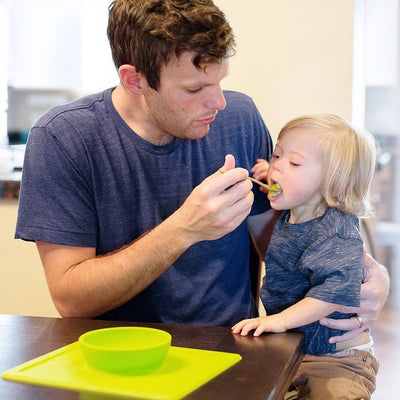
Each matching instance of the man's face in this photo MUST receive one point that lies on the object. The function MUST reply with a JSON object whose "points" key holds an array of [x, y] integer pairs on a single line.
{"points": [[187, 100]]}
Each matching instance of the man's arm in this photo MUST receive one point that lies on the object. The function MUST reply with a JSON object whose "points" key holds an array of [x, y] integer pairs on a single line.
{"points": [[374, 292], [85, 285]]}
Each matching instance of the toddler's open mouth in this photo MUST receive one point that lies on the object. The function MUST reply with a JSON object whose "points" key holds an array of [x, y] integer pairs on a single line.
{"points": [[275, 189]]}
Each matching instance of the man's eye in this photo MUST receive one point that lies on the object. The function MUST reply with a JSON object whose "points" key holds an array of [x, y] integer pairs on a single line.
{"points": [[194, 90], [294, 164]]}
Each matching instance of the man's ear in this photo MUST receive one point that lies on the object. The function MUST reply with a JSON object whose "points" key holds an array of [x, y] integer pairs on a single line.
{"points": [[130, 78]]}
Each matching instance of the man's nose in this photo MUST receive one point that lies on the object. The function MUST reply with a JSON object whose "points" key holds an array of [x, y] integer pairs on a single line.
{"points": [[217, 100]]}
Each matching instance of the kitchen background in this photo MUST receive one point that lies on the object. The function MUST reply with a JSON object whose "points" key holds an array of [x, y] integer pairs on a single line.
{"points": [[293, 57]]}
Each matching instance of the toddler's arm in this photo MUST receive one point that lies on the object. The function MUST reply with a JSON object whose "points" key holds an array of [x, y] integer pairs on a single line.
{"points": [[302, 313]]}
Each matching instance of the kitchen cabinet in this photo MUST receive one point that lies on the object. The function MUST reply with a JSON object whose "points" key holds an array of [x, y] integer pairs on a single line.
{"points": [[3, 70], [23, 286]]}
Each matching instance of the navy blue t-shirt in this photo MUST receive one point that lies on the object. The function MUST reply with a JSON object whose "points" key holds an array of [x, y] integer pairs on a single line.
{"points": [[321, 258], [89, 180]]}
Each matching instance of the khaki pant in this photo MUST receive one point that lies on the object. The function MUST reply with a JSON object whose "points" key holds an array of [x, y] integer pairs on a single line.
{"points": [[346, 375]]}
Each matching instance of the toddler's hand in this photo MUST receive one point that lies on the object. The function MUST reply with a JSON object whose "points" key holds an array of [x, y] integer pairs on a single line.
{"points": [[260, 171], [271, 323]]}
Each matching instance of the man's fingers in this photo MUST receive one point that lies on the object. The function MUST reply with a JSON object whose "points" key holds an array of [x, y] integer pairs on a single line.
{"points": [[347, 336], [354, 325], [341, 324], [229, 162]]}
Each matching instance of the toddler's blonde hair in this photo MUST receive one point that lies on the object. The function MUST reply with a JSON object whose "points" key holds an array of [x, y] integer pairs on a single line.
{"points": [[348, 157]]}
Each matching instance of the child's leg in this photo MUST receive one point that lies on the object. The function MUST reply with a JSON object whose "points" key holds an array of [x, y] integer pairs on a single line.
{"points": [[349, 374]]}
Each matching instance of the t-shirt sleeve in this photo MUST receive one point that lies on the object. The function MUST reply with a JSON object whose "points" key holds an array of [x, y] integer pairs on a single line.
{"points": [[335, 270], [56, 203]]}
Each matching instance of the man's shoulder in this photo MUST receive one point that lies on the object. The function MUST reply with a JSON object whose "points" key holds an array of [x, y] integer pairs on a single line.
{"points": [[75, 109], [237, 97], [239, 106]]}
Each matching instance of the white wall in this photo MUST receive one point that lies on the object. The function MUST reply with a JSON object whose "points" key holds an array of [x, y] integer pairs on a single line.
{"points": [[293, 57], [60, 45], [382, 66]]}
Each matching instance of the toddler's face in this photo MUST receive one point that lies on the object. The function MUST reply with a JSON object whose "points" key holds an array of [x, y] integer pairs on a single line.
{"points": [[297, 168]]}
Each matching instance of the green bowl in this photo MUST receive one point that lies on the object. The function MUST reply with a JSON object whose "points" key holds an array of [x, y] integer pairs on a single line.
{"points": [[125, 350]]}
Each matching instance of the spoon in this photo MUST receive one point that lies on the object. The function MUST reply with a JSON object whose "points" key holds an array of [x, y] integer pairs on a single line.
{"points": [[271, 188]]}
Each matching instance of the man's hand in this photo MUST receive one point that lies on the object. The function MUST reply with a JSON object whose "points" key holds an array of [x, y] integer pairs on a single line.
{"points": [[218, 205], [374, 292]]}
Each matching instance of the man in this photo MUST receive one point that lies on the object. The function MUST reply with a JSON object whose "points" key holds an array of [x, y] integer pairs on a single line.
{"points": [[121, 190]]}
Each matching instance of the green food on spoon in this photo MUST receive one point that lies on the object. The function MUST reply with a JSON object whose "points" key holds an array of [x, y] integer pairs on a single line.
{"points": [[275, 189]]}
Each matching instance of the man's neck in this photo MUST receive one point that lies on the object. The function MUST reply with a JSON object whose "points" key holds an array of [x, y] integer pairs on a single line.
{"points": [[131, 108]]}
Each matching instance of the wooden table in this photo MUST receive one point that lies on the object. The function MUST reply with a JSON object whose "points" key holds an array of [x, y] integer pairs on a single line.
{"points": [[268, 365]]}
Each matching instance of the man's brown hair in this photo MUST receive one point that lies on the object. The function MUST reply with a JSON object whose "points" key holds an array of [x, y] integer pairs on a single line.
{"points": [[148, 33]]}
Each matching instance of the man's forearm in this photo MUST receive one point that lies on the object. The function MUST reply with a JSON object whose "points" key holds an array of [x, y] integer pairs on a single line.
{"points": [[98, 284]]}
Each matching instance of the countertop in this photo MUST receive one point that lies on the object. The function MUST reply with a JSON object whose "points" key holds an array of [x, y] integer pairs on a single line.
{"points": [[265, 371], [11, 161]]}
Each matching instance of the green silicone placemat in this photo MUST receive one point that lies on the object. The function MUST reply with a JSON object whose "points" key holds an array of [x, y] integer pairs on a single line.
{"points": [[183, 371]]}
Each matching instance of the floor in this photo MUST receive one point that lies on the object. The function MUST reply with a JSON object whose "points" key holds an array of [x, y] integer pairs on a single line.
{"points": [[387, 349]]}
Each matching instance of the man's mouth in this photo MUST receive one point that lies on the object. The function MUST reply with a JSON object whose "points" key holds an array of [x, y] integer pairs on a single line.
{"points": [[207, 120]]}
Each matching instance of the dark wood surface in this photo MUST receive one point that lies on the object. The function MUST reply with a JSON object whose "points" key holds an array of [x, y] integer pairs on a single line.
{"points": [[269, 362]]}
